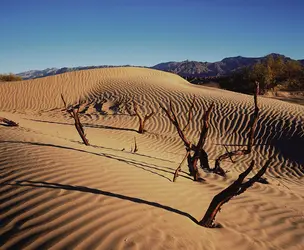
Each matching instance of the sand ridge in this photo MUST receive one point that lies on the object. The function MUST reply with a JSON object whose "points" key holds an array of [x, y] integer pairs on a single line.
{"points": [[57, 193]]}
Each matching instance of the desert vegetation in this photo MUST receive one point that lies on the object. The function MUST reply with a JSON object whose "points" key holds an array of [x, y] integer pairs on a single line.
{"points": [[125, 178], [8, 122], [74, 113], [195, 153], [236, 188], [135, 148], [273, 73], [250, 139], [142, 119], [9, 78]]}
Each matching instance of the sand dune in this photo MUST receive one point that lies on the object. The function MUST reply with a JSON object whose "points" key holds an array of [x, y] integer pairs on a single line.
{"points": [[57, 193]]}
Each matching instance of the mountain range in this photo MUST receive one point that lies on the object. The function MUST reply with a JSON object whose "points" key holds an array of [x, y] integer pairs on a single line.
{"points": [[185, 68]]}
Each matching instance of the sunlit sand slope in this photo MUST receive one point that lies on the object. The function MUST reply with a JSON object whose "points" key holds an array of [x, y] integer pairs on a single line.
{"points": [[56, 193]]}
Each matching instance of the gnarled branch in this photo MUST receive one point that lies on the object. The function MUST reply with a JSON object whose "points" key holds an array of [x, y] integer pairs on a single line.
{"points": [[236, 188], [179, 168], [74, 113], [8, 122], [142, 120], [135, 147], [198, 150], [172, 117], [190, 114], [230, 154]]}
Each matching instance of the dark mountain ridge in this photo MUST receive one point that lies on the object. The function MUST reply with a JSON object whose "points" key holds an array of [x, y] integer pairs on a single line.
{"points": [[185, 68]]}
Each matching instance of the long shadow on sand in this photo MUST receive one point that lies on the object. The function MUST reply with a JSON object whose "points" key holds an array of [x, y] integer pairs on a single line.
{"points": [[16, 229], [102, 127], [87, 125], [108, 127], [43, 184], [142, 165]]}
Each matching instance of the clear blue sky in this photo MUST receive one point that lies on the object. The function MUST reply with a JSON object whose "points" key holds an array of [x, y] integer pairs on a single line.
{"points": [[37, 34]]}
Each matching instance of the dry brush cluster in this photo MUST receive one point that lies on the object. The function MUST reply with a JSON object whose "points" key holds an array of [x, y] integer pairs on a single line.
{"points": [[196, 154], [9, 78]]}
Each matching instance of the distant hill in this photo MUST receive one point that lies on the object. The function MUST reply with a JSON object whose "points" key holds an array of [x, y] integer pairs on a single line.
{"points": [[184, 68], [204, 69]]}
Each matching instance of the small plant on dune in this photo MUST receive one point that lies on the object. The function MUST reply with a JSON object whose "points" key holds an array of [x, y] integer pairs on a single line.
{"points": [[190, 114], [135, 149], [236, 188], [141, 119], [9, 78], [74, 113], [8, 122], [193, 152], [252, 128], [197, 152]]}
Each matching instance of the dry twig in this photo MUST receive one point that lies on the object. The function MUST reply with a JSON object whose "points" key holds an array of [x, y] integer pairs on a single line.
{"points": [[142, 120], [74, 113], [230, 154], [198, 150], [8, 122]]}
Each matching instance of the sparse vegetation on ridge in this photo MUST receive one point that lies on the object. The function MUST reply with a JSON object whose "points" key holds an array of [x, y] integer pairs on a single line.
{"points": [[9, 78], [274, 73]]}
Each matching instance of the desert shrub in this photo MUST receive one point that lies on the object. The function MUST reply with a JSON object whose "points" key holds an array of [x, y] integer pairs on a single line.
{"points": [[270, 73], [9, 78]]}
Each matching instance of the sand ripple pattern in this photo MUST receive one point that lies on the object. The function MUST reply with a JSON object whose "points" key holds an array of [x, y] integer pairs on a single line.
{"points": [[56, 193]]}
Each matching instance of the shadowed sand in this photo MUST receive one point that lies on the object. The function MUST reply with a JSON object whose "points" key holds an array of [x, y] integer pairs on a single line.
{"points": [[57, 193]]}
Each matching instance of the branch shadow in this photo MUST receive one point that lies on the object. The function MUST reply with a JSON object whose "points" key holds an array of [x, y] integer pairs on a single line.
{"points": [[142, 165], [88, 125], [104, 127], [16, 229], [42, 184], [61, 123], [108, 127]]}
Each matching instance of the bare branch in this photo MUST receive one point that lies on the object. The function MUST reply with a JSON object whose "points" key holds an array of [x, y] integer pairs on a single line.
{"points": [[136, 109], [236, 188], [179, 168], [147, 117], [135, 146], [199, 152], [75, 115], [142, 120], [172, 117], [228, 153], [255, 118], [255, 178], [65, 105], [190, 114], [205, 128], [251, 132], [8, 122]]}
